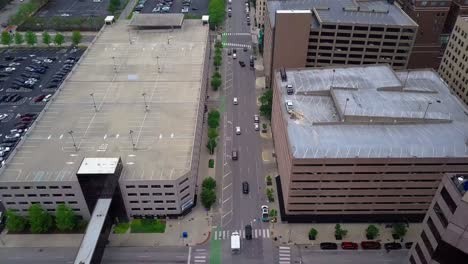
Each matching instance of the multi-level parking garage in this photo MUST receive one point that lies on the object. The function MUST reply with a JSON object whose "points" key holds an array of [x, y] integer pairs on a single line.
{"points": [[135, 95]]}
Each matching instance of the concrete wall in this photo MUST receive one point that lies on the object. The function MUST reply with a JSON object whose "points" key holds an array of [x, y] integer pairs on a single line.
{"points": [[454, 66], [443, 224], [20, 195]]}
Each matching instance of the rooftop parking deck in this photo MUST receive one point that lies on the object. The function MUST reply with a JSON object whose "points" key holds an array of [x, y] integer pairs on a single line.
{"points": [[135, 95]]}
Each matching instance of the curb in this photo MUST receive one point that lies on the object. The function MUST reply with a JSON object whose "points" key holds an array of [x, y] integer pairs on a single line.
{"points": [[206, 239]]}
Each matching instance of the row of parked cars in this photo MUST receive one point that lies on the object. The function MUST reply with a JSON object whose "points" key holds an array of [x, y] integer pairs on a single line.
{"points": [[364, 245], [10, 140]]}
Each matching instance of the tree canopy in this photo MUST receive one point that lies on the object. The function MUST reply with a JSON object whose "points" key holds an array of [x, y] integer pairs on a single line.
{"points": [[15, 222], [266, 101], [39, 220], [65, 218]]}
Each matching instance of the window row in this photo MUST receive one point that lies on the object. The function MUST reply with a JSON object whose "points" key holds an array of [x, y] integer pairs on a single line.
{"points": [[147, 201], [38, 195], [151, 208], [33, 187], [148, 194], [45, 202]]}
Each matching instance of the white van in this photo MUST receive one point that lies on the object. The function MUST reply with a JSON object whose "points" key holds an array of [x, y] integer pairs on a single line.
{"points": [[234, 101]]}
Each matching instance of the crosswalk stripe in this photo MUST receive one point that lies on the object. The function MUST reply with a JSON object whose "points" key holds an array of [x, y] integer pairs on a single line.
{"points": [[200, 249], [284, 247], [200, 257], [285, 255], [200, 261], [285, 262]]}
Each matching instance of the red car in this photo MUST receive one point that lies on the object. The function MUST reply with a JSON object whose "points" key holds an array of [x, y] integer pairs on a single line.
{"points": [[26, 118], [39, 98], [371, 245], [349, 245]]}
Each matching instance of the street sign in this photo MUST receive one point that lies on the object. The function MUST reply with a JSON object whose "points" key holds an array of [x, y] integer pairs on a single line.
{"points": [[185, 234]]}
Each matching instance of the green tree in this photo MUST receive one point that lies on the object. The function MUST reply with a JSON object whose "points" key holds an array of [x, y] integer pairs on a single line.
{"points": [[211, 145], [217, 60], [59, 39], [39, 220], [218, 44], [215, 83], [212, 133], [19, 38], [269, 180], [15, 222], [372, 232], [216, 11], [46, 39], [270, 194], [208, 197], [31, 38], [114, 5], [339, 232], [313, 233], [218, 51], [65, 218], [209, 183], [6, 38], [76, 38], [266, 101], [213, 118], [273, 213], [399, 229]]}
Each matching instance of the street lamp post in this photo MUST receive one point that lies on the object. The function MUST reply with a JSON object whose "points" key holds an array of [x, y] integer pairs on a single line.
{"points": [[427, 107], [94, 102], [73, 139], [115, 67], [345, 106], [131, 137], [144, 99], [333, 78]]}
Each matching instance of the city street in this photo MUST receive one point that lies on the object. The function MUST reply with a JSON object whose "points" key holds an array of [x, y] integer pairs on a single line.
{"points": [[235, 208], [124, 255], [347, 257]]}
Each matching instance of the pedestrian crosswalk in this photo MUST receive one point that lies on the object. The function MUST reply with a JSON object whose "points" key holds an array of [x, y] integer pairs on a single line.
{"points": [[226, 234], [236, 45], [200, 256], [284, 255], [235, 34]]}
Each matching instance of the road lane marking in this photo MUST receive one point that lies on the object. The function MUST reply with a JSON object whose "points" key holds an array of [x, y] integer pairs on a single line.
{"points": [[227, 199], [227, 186], [189, 255]]}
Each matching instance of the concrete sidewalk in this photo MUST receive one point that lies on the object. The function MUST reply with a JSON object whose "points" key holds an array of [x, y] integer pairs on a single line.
{"points": [[47, 240]]}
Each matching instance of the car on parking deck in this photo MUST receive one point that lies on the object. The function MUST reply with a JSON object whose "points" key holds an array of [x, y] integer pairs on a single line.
{"points": [[16, 135], [39, 98], [3, 116], [46, 98], [10, 69]]}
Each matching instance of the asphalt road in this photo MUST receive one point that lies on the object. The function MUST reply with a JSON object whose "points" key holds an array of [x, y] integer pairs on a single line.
{"points": [[124, 255], [238, 209], [354, 257]]}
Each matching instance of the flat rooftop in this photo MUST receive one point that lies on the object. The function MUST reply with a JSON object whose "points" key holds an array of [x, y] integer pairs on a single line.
{"points": [[372, 12], [372, 112], [123, 71], [157, 20]]}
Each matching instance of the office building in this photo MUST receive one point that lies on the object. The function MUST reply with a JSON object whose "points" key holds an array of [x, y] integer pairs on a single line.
{"points": [[444, 237], [436, 20], [364, 143], [260, 10], [131, 113], [315, 33], [454, 66]]}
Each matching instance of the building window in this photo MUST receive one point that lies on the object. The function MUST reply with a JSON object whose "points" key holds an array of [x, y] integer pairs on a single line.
{"points": [[14, 187], [53, 187], [427, 243], [158, 201], [420, 254], [48, 202], [185, 196], [27, 187], [170, 201], [3, 188], [132, 194], [44, 195], [434, 230], [169, 193], [10, 203], [168, 186], [171, 208], [130, 186], [184, 181], [448, 200], [76, 209], [60, 202], [40, 187], [69, 194], [183, 189], [57, 194], [133, 202], [157, 194], [19, 195], [72, 202], [155, 186], [6, 195], [142, 186], [23, 203], [144, 194], [32, 195], [440, 215], [66, 187]]}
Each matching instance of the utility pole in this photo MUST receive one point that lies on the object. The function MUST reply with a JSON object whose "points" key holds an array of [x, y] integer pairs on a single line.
{"points": [[144, 99]]}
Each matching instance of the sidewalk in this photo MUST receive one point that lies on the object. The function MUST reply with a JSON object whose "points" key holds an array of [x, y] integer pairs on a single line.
{"points": [[55, 240], [196, 224]]}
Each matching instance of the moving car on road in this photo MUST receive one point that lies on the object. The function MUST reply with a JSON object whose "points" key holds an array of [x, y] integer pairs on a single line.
{"points": [[234, 101], [245, 187], [238, 131], [248, 232]]}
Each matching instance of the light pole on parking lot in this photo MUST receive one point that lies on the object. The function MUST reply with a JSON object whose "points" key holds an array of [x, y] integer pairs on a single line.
{"points": [[131, 137], [73, 139], [115, 67], [144, 99], [94, 102]]}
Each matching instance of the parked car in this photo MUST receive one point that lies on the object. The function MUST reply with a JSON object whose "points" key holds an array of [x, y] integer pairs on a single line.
{"points": [[16, 135], [256, 119], [370, 245], [39, 98], [10, 69], [256, 127], [265, 215], [392, 246], [28, 115], [349, 245], [3, 116], [328, 246], [408, 245], [242, 63]]}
